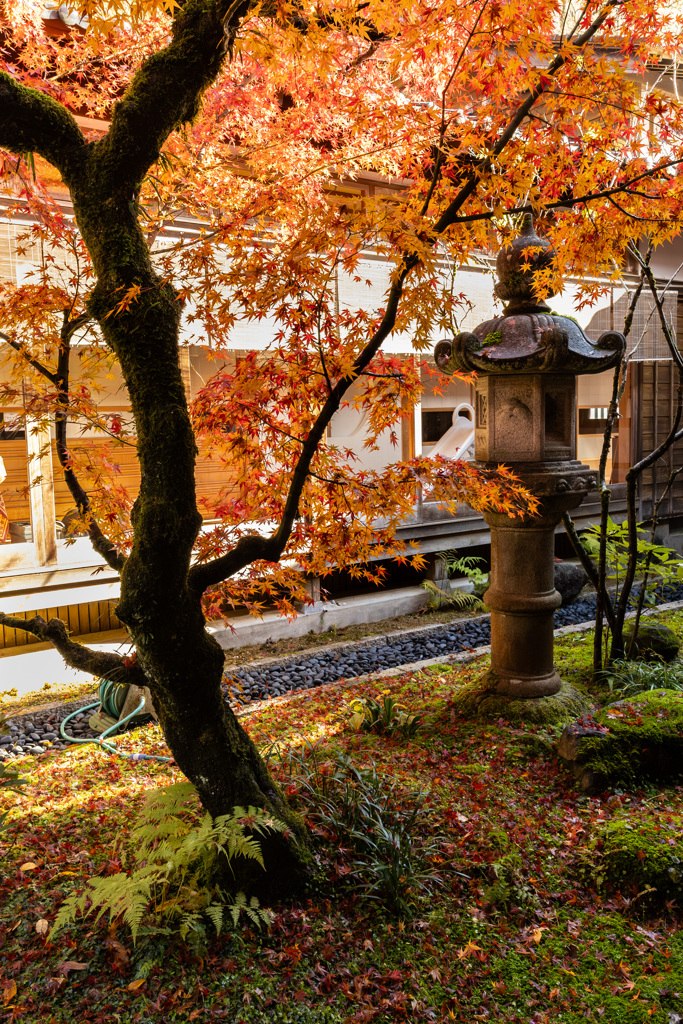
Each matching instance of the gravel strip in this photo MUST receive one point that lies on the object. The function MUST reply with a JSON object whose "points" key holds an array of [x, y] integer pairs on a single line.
{"points": [[37, 732], [34, 733]]}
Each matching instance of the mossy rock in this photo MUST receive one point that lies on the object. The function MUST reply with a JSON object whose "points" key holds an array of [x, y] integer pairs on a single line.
{"points": [[654, 642], [644, 859], [628, 743], [478, 700]]}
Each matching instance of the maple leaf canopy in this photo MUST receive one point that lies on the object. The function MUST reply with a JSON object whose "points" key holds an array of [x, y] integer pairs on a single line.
{"points": [[465, 115]]}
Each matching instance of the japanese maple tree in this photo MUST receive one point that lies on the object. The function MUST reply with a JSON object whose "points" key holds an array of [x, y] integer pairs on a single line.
{"points": [[244, 118]]}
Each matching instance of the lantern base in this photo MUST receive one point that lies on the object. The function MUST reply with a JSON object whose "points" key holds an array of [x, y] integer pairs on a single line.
{"points": [[526, 687], [478, 700]]}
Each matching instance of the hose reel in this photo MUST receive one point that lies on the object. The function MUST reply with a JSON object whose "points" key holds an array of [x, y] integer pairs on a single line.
{"points": [[121, 703], [116, 698]]}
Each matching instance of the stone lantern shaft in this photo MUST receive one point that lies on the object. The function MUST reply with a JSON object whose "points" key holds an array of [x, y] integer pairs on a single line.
{"points": [[526, 361]]}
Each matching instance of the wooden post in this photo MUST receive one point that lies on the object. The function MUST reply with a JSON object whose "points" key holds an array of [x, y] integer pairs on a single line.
{"points": [[41, 490], [407, 432], [184, 358]]}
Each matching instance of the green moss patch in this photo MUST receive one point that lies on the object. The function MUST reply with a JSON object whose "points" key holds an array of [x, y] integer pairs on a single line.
{"points": [[478, 700], [493, 338], [642, 741], [644, 859]]}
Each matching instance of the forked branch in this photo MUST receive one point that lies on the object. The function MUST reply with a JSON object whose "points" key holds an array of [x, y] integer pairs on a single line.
{"points": [[103, 664], [101, 544]]}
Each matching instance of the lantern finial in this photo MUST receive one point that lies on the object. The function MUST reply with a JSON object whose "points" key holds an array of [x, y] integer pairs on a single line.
{"points": [[517, 264]]}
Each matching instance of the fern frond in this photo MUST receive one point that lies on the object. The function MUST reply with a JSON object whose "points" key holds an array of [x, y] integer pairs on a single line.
{"points": [[237, 906], [461, 600], [68, 912], [170, 882], [189, 923], [169, 801], [215, 913]]}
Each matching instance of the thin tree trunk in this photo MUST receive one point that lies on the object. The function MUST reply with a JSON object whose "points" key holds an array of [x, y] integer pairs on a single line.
{"points": [[648, 559]]}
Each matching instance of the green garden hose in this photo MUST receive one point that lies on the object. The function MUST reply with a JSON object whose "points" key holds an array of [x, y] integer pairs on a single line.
{"points": [[111, 701]]}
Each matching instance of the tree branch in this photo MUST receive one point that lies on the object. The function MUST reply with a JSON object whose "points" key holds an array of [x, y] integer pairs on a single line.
{"points": [[103, 664], [249, 549], [586, 562], [569, 201], [636, 471], [35, 363], [666, 329], [597, 574], [448, 216], [32, 122], [166, 91], [101, 544]]}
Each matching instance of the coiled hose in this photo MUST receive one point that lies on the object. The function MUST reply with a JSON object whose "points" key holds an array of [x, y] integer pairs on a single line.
{"points": [[112, 698]]}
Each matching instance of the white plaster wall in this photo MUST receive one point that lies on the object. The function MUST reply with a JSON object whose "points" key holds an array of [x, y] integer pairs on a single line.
{"points": [[667, 261]]}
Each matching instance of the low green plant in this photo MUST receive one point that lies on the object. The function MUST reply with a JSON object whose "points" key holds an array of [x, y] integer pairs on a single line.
{"points": [[362, 811], [659, 566], [627, 678], [383, 715], [510, 886], [460, 600], [466, 565], [171, 888]]}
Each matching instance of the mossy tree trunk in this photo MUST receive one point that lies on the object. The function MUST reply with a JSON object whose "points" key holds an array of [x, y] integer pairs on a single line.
{"points": [[139, 316]]}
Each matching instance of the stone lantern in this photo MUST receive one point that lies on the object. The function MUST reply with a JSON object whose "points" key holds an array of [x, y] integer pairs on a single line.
{"points": [[527, 361]]}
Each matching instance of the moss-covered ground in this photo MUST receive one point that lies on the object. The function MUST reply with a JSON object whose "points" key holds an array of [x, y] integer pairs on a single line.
{"points": [[526, 921]]}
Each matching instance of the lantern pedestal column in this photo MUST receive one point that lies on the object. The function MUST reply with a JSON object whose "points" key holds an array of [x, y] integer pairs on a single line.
{"points": [[522, 595]]}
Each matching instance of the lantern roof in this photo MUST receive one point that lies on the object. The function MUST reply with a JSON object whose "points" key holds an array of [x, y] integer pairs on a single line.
{"points": [[528, 336]]}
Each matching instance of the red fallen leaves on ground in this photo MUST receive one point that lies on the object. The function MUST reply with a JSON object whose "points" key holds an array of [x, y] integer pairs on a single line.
{"points": [[487, 799]]}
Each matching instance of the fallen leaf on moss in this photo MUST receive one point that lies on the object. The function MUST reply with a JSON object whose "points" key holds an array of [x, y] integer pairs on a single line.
{"points": [[9, 991], [70, 965]]}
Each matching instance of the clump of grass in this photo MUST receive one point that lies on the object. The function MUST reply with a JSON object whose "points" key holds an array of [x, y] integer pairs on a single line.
{"points": [[625, 679], [363, 814]]}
